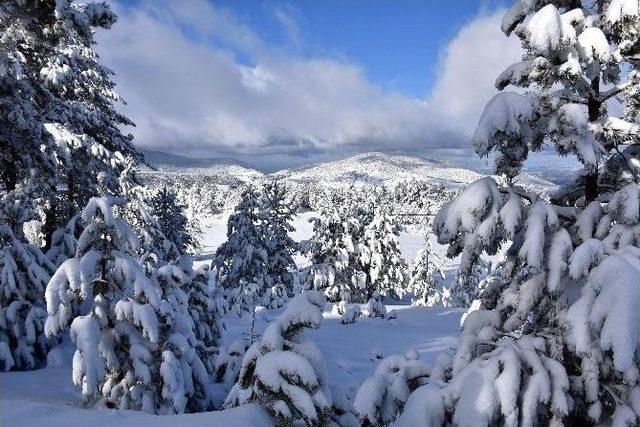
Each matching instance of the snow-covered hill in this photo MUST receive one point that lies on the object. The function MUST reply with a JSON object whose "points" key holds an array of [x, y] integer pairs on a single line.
{"points": [[218, 170], [363, 169], [380, 168]]}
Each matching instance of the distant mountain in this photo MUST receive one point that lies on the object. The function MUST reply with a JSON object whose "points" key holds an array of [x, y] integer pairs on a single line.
{"points": [[363, 169], [166, 161], [379, 168], [218, 170]]}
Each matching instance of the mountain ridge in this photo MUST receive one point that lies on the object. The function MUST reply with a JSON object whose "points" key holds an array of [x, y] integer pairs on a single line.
{"points": [[370, 168]]}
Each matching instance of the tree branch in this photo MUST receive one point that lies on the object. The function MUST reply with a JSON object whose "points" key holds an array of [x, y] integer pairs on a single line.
{"points": [[603, 96]]}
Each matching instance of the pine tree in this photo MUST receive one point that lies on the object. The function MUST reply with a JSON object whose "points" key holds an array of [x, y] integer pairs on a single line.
{"points": [[138, 212], [60, 128], [355, 253], [206, 306], [242, 260], [381, 257], [64, 242], [24, 273], [555, 339], [283, 371], [426, 277], [278, 213], [332, 253], [169, 213], [467, 288], [135, 348]]}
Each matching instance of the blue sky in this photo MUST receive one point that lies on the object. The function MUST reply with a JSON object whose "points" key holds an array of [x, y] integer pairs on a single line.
{"points": [[398, 43], [281, 83]]}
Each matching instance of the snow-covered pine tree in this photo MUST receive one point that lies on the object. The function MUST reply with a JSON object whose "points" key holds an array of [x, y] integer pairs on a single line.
{"points": [[332, 253], [242, 260], [467, 288], [135, 345], [64, 242], [24, 273], [381, 257], [354, 252], [138, 212], [169, 213], [284, 371], [278, 215], [186, 363], [426, 277], [59, 116], [206, 307], [556, 340]]}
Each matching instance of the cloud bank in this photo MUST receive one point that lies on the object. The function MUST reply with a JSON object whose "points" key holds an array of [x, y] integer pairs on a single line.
{"points": [[198, 81]]}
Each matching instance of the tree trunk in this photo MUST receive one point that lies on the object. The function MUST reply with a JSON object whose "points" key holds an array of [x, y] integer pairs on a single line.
{"points": [[591, 179], [8, 172]]}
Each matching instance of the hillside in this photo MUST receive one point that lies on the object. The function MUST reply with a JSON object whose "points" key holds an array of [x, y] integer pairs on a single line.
{"points": [[380, 168], [361, 170], [220, 171]]}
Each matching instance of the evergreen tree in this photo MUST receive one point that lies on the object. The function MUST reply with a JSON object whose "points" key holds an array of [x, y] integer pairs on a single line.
{"points": [[242, 260], [283, 371], [169, 213], [206, 307], [426, 277], [332, 253], [138, 212], [135, 347], [381, 257], [278, 213], [24, 273], [355, 253], [467, 288], [60, 128], [555, 339]]}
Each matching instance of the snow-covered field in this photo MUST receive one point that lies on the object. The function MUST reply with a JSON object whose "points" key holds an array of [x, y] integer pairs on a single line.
{"points": [[47, 397]]}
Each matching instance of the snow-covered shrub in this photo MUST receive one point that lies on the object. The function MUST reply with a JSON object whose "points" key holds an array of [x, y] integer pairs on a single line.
{"points": [[342, 412], [375, 307], [350, 313], [382, 396], [285, 372], [555, 337], [426, 277], [135, 347]]}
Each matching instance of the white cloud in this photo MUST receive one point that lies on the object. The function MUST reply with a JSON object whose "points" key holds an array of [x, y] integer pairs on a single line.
{"points": [[197, 79], [468, 69]]}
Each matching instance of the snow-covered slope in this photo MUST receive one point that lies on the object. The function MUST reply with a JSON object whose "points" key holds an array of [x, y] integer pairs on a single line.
{"points": [[362, 169], [379, 168], [173, 163], [219, 170]]}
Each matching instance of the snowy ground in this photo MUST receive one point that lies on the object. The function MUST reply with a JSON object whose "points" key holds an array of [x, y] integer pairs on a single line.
{"points": [[47, 397]]}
